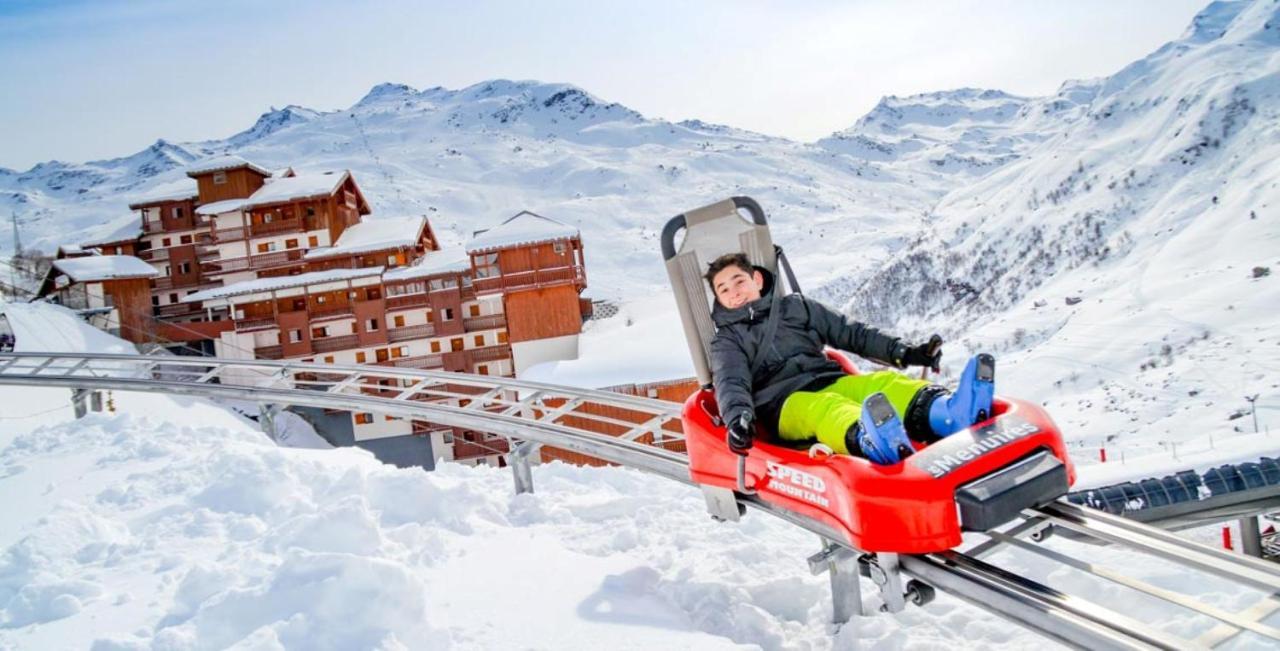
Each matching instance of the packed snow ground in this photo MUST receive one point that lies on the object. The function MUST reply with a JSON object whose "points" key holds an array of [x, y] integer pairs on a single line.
{"points": [[175, 524]]}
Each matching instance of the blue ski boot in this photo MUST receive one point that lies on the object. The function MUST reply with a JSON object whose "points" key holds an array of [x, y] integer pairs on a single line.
{"points": [[970, 403], [880, 433]]}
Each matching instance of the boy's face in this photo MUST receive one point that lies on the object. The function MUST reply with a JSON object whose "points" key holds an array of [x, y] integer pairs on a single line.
{"points": [[735, 287]]}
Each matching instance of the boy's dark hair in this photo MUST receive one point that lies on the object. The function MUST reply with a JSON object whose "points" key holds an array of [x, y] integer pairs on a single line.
{"points": [[725, 261]]}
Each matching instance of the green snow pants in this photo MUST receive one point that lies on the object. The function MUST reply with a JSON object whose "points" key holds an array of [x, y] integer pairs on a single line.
{"points": [[828, 413]]}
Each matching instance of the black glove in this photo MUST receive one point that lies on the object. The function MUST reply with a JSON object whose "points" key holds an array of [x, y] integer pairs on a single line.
{"points": [[741, 433], [927, 354]]}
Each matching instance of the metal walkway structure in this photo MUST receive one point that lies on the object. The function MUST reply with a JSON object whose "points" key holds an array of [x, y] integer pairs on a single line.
{"points": [[991, 571]]}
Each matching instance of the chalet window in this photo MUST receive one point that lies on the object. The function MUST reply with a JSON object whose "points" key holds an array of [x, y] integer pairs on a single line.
{"points": [[266, 247], [267, 217], [185, 239], [446, 314], [355, 329], [502, 336], [399, 321], [167, 272], [447, 438], [295, 336], [166, 242], [371, 325], [479, 341], [482, 369], [319, 332], [311, 212], [475, 310], [373, 293], [487, 265], [328, 359], [455, 344], [155, 300], [219, 178], [291, 244], [313, 241], [177, 212], [402, 351], [321, 298], [173, 298], [381, 354], [558, 247], [364, 419], [299, 304], [435, 346], [360, 357], [184, 267]]}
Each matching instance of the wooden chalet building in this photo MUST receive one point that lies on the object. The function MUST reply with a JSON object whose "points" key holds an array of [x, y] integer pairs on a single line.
{"points": [[111, 291], [254, 263]]}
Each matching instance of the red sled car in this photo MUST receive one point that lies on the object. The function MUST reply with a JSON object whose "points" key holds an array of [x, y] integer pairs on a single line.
{"points": [[973, 480]]}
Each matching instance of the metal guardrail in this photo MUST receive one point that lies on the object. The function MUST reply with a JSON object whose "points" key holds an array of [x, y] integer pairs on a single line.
{"points": [[531, 414]]}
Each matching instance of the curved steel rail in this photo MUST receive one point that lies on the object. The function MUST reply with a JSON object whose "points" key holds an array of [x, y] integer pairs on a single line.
{"points": [[644, 429]]}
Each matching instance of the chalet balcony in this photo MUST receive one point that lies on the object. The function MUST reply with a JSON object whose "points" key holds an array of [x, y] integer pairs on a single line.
{"points": [[244, 325], [330, 344], [407, 300], [395, 335], [152, 227], [178, 309], [325, 312], [229, 234], [154, 255], [490, 353], [162, 283], [420, 362], [278, 226], [259, 261], [484, 322], [527, 279], [269, 352]]}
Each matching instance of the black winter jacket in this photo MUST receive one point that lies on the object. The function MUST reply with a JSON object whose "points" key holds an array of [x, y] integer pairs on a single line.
{"points": [[793, 361]]}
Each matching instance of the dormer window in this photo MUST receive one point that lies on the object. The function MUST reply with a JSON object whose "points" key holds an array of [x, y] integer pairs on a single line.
{"points": [[558, 247], [219, 178]]}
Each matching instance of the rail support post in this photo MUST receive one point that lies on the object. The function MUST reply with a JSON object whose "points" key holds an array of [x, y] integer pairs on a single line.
{"points": [[846, 592], [267, 420], [886, 572], [521, 466], [1250, 537], [84, 401]]}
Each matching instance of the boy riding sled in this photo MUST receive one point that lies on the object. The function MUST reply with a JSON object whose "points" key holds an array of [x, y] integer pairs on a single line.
{"points": [[768, 366]]}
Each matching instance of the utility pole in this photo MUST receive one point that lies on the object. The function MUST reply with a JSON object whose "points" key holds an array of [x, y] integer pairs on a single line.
{"points": [[17, 250], [1253, 407]]}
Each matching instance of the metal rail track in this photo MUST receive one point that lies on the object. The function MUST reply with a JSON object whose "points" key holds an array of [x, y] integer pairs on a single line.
{"points": [[546, 415]]}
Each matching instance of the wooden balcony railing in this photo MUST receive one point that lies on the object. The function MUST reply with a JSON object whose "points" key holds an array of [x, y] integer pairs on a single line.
{"points": [[277, 226], [406, 333], [255, 324], [260, 261], [178, 309], [334, 311], [553, 276], [269, 352], [484, 322], [406, 300], [420, 362], [230, 234], [154, 255], [490, 353], [162, 282], [330, 344]]}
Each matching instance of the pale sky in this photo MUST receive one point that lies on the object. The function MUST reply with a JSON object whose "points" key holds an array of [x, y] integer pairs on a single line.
{"points": [[87, 79]]}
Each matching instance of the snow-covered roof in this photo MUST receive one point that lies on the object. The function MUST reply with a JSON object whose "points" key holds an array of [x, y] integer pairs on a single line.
{"points": [[178, 190], [374, 235], [524, 228], [122, 229], [281, 282], [293, 188], [104, 267], [219, 207], [224, 163], [431, 264], [284, 172]]}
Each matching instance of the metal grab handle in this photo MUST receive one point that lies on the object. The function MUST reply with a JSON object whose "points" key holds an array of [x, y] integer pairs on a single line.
{"points": [[742, 476]]}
